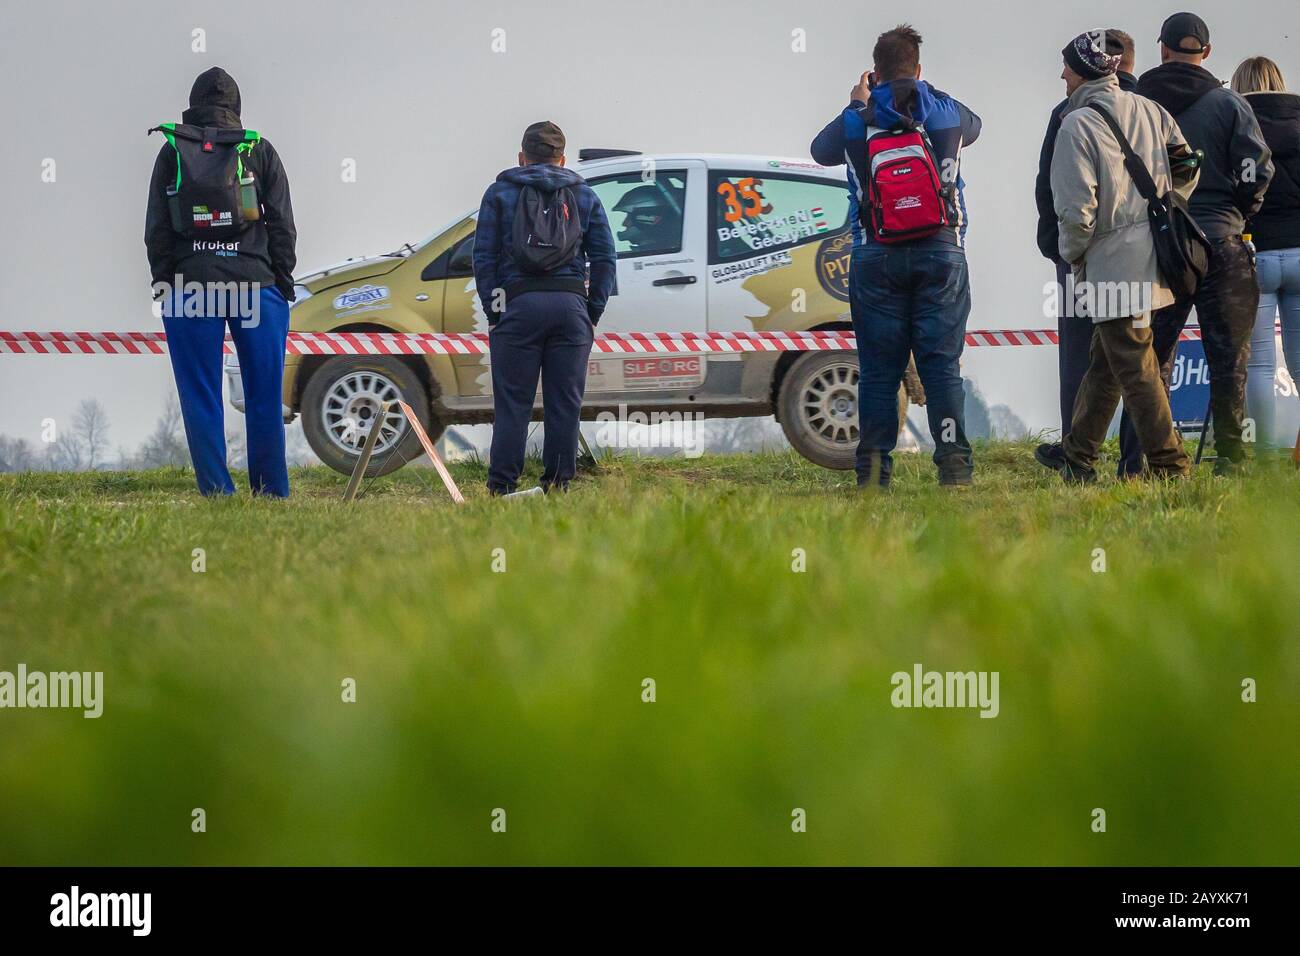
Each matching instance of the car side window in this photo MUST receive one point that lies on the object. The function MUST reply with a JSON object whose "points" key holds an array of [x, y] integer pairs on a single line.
{"points": [[462, 258], [753, 214], [646, 215], [454, 263]]}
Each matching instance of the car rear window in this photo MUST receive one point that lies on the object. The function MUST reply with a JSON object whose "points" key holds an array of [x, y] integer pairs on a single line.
{"points": [[754, 213]]}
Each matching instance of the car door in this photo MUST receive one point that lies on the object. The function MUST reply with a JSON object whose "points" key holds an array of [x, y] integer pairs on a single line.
{"points": [[657, 216]]}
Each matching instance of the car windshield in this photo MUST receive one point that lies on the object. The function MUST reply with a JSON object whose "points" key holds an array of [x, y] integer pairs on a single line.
{"points": [[441, 231]]}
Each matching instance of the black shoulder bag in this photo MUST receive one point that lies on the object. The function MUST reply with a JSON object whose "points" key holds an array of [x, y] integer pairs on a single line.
{"points": [[1182, 251]]}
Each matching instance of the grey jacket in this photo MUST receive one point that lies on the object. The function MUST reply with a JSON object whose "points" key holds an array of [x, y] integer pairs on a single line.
{"points": [[1105, 233]]}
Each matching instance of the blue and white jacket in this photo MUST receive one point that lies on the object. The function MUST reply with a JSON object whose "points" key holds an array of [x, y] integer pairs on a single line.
{"points": [[950, 126]]}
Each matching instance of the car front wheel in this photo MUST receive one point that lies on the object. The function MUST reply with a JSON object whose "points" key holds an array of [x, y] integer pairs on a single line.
{"points": [[342, 401]]}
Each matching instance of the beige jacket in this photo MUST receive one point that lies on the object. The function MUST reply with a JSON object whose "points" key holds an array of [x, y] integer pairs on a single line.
{"points": [[1105, 232]]}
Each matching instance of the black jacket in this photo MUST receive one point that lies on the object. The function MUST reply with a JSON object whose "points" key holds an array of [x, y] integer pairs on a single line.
{"points": [[1277, 224], [264, 251], [1048, 232], [1237, 167]]}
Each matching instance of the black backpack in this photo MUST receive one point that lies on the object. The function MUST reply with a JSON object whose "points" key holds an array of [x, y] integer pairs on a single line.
{"points": [[1182, 250], [214, 194], [547, 230]]}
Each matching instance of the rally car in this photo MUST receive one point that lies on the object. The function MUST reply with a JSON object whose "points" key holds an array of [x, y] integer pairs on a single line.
{"points": [[705, 243]]}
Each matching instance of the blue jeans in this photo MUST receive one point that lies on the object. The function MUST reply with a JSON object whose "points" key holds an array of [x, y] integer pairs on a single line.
{"points": [[194, 344], [912, 298], [1279, 293], [547, 334]]}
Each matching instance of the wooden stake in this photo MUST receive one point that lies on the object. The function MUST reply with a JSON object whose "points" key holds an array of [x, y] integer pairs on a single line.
{"points": [[429, 450], [367, 450]]}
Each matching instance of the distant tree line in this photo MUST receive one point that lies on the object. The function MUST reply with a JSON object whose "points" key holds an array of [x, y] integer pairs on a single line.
{"points": [[83, 444]]}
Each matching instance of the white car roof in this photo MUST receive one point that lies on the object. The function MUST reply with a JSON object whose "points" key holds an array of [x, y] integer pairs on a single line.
{"points": [[748, 163]]}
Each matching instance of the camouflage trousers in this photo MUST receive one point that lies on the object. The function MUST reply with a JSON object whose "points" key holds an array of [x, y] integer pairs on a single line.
{"points": [[1225, 305]]}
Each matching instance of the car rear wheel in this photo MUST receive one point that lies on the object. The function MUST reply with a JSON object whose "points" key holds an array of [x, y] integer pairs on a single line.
{"points": [[341, 403], [818, 403]]}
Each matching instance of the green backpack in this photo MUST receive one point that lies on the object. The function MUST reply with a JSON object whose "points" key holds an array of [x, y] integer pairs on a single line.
{"points": [[214, 194]]}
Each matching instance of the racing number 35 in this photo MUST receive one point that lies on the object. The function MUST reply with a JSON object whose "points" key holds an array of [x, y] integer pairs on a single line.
{"points": [[733, 193]]}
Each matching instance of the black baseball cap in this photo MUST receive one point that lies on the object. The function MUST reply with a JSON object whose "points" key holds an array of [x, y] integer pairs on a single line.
{"points": [[1181, 25], [544, 140]]}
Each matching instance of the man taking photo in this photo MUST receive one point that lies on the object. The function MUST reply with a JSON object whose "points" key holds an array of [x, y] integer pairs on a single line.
{"points": [[909, 289]]}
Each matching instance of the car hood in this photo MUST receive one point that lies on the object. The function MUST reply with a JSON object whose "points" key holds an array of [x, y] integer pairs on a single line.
{"points": [[349, 271]]}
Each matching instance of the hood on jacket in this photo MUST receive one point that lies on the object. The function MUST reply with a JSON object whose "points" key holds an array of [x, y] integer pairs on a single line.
{"points": [[902, 102], [1085, 93], [1279, 120], [214, 100], [542, 176], [1176, 86]]}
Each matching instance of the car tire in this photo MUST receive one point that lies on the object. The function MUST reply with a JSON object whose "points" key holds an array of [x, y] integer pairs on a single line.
{"points": [[818, 407], [342, 397]]}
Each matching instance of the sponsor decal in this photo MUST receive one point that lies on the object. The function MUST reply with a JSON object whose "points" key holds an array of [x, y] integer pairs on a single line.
{"points": [[638, 264], [366, 298], [645, 372], [675, 371], [228, 249], [833, 256], [782, 164], [204, 218], [746, 268]]}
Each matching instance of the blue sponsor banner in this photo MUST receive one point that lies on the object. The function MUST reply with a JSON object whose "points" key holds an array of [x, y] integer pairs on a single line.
{"points": [[1189, 385]]}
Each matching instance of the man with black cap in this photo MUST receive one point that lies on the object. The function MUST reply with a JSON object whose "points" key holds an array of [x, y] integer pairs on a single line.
{"points": [[254, 258], [1235, 174], [544, 267], [1074, 332], [1105, 236]]}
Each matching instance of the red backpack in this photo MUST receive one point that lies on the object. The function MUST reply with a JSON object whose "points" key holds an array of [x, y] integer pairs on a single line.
{"points": [[906, 196]]}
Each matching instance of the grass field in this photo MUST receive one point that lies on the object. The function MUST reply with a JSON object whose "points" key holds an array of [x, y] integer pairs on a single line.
{"points": [[522, 690]]}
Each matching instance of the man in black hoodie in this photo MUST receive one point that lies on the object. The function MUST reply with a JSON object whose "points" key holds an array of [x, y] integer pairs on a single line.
{"points": [[1074, 332], [1235, 175], [259, 261]]}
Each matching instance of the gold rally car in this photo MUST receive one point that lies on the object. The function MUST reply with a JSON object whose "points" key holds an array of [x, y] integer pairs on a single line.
{"points": [[705, 243]]}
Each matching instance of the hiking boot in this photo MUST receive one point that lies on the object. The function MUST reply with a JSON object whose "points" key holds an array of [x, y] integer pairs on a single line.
{"points": [[1229, 467], [1050, 455]]}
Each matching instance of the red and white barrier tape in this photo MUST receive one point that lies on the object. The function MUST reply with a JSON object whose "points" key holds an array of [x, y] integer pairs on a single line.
{"points": [[476, 343]]}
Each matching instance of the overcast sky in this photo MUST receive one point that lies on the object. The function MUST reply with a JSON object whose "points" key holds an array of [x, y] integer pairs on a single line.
{"points": [[414, 93]]}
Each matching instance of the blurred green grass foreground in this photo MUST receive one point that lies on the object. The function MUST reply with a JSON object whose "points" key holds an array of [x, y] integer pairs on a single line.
{"points": [[500, 653]]}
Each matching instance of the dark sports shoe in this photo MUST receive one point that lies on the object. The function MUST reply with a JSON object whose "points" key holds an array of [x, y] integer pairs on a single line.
{"points": [[1077, 474], [1050, 455]]}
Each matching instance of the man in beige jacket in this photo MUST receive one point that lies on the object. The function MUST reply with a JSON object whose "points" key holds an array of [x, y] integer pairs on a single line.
{"points": [[1105, 236]]}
